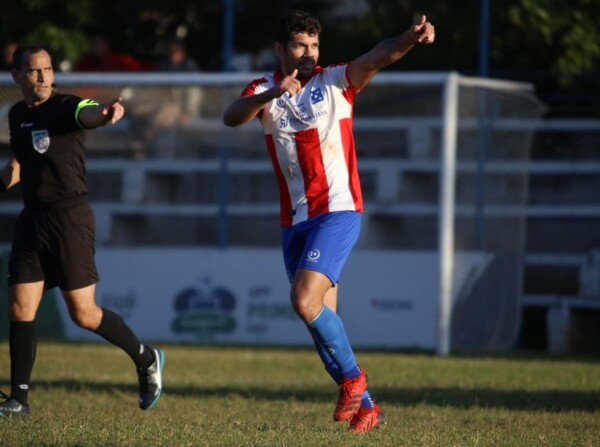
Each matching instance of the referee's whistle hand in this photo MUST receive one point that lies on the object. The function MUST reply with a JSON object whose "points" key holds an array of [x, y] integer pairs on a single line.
{"points": [[114, 110]]}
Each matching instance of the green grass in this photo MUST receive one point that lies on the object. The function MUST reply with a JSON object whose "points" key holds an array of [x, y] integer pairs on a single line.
{"points": [[85, 395]]}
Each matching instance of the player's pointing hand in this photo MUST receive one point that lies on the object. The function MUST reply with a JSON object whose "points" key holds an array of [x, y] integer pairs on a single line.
{"points": [[290, 84]]}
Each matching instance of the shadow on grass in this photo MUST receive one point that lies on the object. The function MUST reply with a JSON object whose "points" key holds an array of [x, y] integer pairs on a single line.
{"points": [[542, 400]]}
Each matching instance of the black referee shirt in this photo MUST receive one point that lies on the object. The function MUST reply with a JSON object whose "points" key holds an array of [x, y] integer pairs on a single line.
{"points": [[49, 144]]}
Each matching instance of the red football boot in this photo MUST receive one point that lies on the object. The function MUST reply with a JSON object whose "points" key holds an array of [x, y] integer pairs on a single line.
{"points": [[351, 391], [367, 419]]}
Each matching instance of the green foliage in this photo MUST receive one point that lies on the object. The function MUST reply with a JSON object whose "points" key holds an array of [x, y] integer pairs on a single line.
{"points": [[565, 34], [525, 34], [56, 24], [63, 44], [85, 395], [554, 43]]}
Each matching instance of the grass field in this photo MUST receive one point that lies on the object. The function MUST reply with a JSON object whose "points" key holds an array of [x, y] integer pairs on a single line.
{"points": [[85, 395]]}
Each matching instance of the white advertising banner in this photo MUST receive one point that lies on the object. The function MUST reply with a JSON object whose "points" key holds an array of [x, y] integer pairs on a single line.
{"points": [[241, 296]]}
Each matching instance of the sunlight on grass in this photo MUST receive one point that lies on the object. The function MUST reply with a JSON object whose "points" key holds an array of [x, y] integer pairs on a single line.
{"points": [[86, 395]]}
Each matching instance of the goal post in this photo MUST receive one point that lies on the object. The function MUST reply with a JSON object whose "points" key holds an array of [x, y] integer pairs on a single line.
{"points": [[487, 138], [446, 212]]}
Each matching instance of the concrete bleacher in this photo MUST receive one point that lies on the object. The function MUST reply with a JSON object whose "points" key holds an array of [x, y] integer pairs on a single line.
{"points": [[188, 194], [562, 270]]}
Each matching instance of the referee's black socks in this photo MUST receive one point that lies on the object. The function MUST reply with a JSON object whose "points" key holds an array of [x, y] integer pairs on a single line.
{"points": [[115, 330], [22, 348]]}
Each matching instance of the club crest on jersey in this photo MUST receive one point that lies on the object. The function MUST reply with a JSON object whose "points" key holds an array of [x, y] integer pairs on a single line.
{"points": [[313, 255], [40, 140], [316, 96]]}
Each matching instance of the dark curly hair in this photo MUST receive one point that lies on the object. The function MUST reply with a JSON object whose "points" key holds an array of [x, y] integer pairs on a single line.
{"points": [[295, 21]]}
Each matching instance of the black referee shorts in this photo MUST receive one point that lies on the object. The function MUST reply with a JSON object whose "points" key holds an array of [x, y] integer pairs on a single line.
{"points": [[56, 246]]}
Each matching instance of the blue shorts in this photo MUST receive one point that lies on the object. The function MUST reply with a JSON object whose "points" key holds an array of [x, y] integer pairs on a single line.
{"points": [[322, 243]]}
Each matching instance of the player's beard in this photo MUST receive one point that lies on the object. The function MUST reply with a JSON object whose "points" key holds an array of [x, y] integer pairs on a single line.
{"points": [[305, 69]]}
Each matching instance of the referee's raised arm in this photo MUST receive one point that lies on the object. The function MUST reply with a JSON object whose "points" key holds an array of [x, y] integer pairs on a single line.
{"points": [[93, 116]]}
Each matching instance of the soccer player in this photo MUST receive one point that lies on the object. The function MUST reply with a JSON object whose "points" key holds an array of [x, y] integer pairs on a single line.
{"points": [[306, 114], [54, 240]]}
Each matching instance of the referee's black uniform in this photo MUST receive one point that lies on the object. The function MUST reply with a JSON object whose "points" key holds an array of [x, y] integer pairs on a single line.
{"points": [[54, 237]]}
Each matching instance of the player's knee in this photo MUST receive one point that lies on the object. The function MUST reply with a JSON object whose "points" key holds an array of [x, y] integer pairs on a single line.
{"points": [[86, 318], [306, 306], [18, 312]]}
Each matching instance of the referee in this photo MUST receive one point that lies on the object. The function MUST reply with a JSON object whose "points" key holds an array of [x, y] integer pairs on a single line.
{"points": [[54, 239]]}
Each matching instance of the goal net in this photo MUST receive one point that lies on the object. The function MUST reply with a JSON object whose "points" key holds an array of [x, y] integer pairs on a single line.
{"points": [[495, 128]]}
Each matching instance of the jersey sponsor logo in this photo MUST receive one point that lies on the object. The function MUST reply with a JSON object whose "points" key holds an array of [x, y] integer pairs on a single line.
{"points": [[26, 125], [302, 122], [316, 96], [313, 255], [302, 110], [40, 140]]}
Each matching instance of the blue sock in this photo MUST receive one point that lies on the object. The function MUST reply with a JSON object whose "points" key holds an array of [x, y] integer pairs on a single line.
{"points": [[328, 330], [330, 365], [367, 400], [334, 370]]}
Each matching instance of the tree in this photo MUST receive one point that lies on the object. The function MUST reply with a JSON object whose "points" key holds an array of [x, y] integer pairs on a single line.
{"points": [[562, 36], [556, 45], [52, 23], [552, 43]]}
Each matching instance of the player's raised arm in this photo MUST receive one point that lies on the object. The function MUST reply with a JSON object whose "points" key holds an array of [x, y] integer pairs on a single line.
{"points": [[245, 108], [93, 116], [388, 51]]}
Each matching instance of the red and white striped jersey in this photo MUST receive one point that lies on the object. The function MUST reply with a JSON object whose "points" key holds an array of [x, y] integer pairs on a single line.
{"points": [[310, 141]]}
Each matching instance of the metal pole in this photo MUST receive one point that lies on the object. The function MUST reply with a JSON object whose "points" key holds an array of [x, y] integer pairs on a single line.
{"points": [[484, 36], [446, 213], [228, 32], [223, 220], [484, 128]]}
